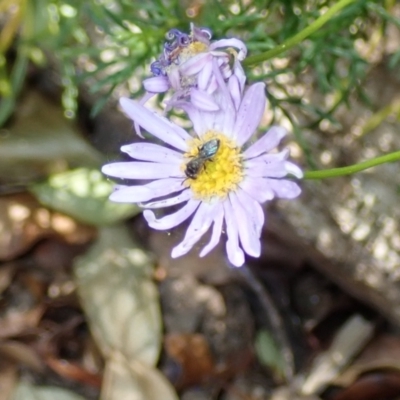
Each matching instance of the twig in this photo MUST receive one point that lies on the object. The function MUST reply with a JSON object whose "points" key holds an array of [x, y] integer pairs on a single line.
{"points": [[274, 318]]}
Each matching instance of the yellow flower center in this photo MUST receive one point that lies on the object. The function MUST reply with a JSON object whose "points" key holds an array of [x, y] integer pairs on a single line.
{"points": [[196, 48], [219, 174], [183, 54]]}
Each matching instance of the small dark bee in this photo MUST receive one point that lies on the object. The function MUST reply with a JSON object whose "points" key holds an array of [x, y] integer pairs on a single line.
{"points": [[206, 152]]}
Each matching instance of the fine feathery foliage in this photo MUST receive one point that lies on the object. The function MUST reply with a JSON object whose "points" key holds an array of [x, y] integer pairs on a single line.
{"points": [[312, 55], [107, 44]]}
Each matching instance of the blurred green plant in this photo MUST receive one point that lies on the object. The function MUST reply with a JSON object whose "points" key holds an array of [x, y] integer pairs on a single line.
{"points": [[269, 353], [103, 44], [83, 194]]}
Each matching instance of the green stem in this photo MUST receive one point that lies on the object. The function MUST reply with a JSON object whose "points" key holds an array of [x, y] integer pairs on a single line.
{"points": [[335, 172], [294, 40]]}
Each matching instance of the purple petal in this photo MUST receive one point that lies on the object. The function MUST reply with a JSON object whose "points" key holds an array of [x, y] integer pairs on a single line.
{"points": [[202, 220], [180, 198], [236, 43], [211, 120], [216, 232], [222, 56], [279, 156], [175, 78], [136, 194], [130, 194], [213, 85], [224, 66], [202, 35], [142, 170], [228, 112], [258, 168], [162, 187], [239, 73], [257, 188], [158, 126], [176, 97], [284, 188], [293, 169], [250, 113], [171, 220], [156, 84], [195, 64], [248, 232], [235, 253], [203, 100], [272, 157], [152, 152], [194, 115], [184, 247], [257, 213], [204, 76], [147, 96], [266, 143], [199, 225], [234, 89]]}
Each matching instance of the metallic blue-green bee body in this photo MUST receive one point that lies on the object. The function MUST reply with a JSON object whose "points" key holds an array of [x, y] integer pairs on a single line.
{"points": [[206, 152]]}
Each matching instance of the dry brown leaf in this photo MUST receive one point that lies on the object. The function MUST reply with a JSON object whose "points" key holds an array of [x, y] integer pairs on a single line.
{"points": [[73, 371], [193, 354], [23, 222], [134, 381], [6, 274], [382, 353], [21, 353], [347, 343], [287, 393], [16, 322], [119, 297], [372, 386], [8, 378], [27, 391]]}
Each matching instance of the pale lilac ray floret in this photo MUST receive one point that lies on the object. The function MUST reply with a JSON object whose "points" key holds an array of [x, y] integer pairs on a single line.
{"points": [[227, 194], [185, 67]]}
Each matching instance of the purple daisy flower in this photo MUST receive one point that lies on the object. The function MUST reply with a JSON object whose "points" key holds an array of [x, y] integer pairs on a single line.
{"points": [[220, 172], [186, 67]]}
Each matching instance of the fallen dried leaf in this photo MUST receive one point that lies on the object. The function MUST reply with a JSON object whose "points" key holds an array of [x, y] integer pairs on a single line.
{"points": [[134, 380], [16, 322], [349, 340], [377, 385], [6, 274], [8, 378], [21, 353], [382, 353], [23, 222], [119, 298], [83, 194], [26, 391], [73, 371], [193, 354]]}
